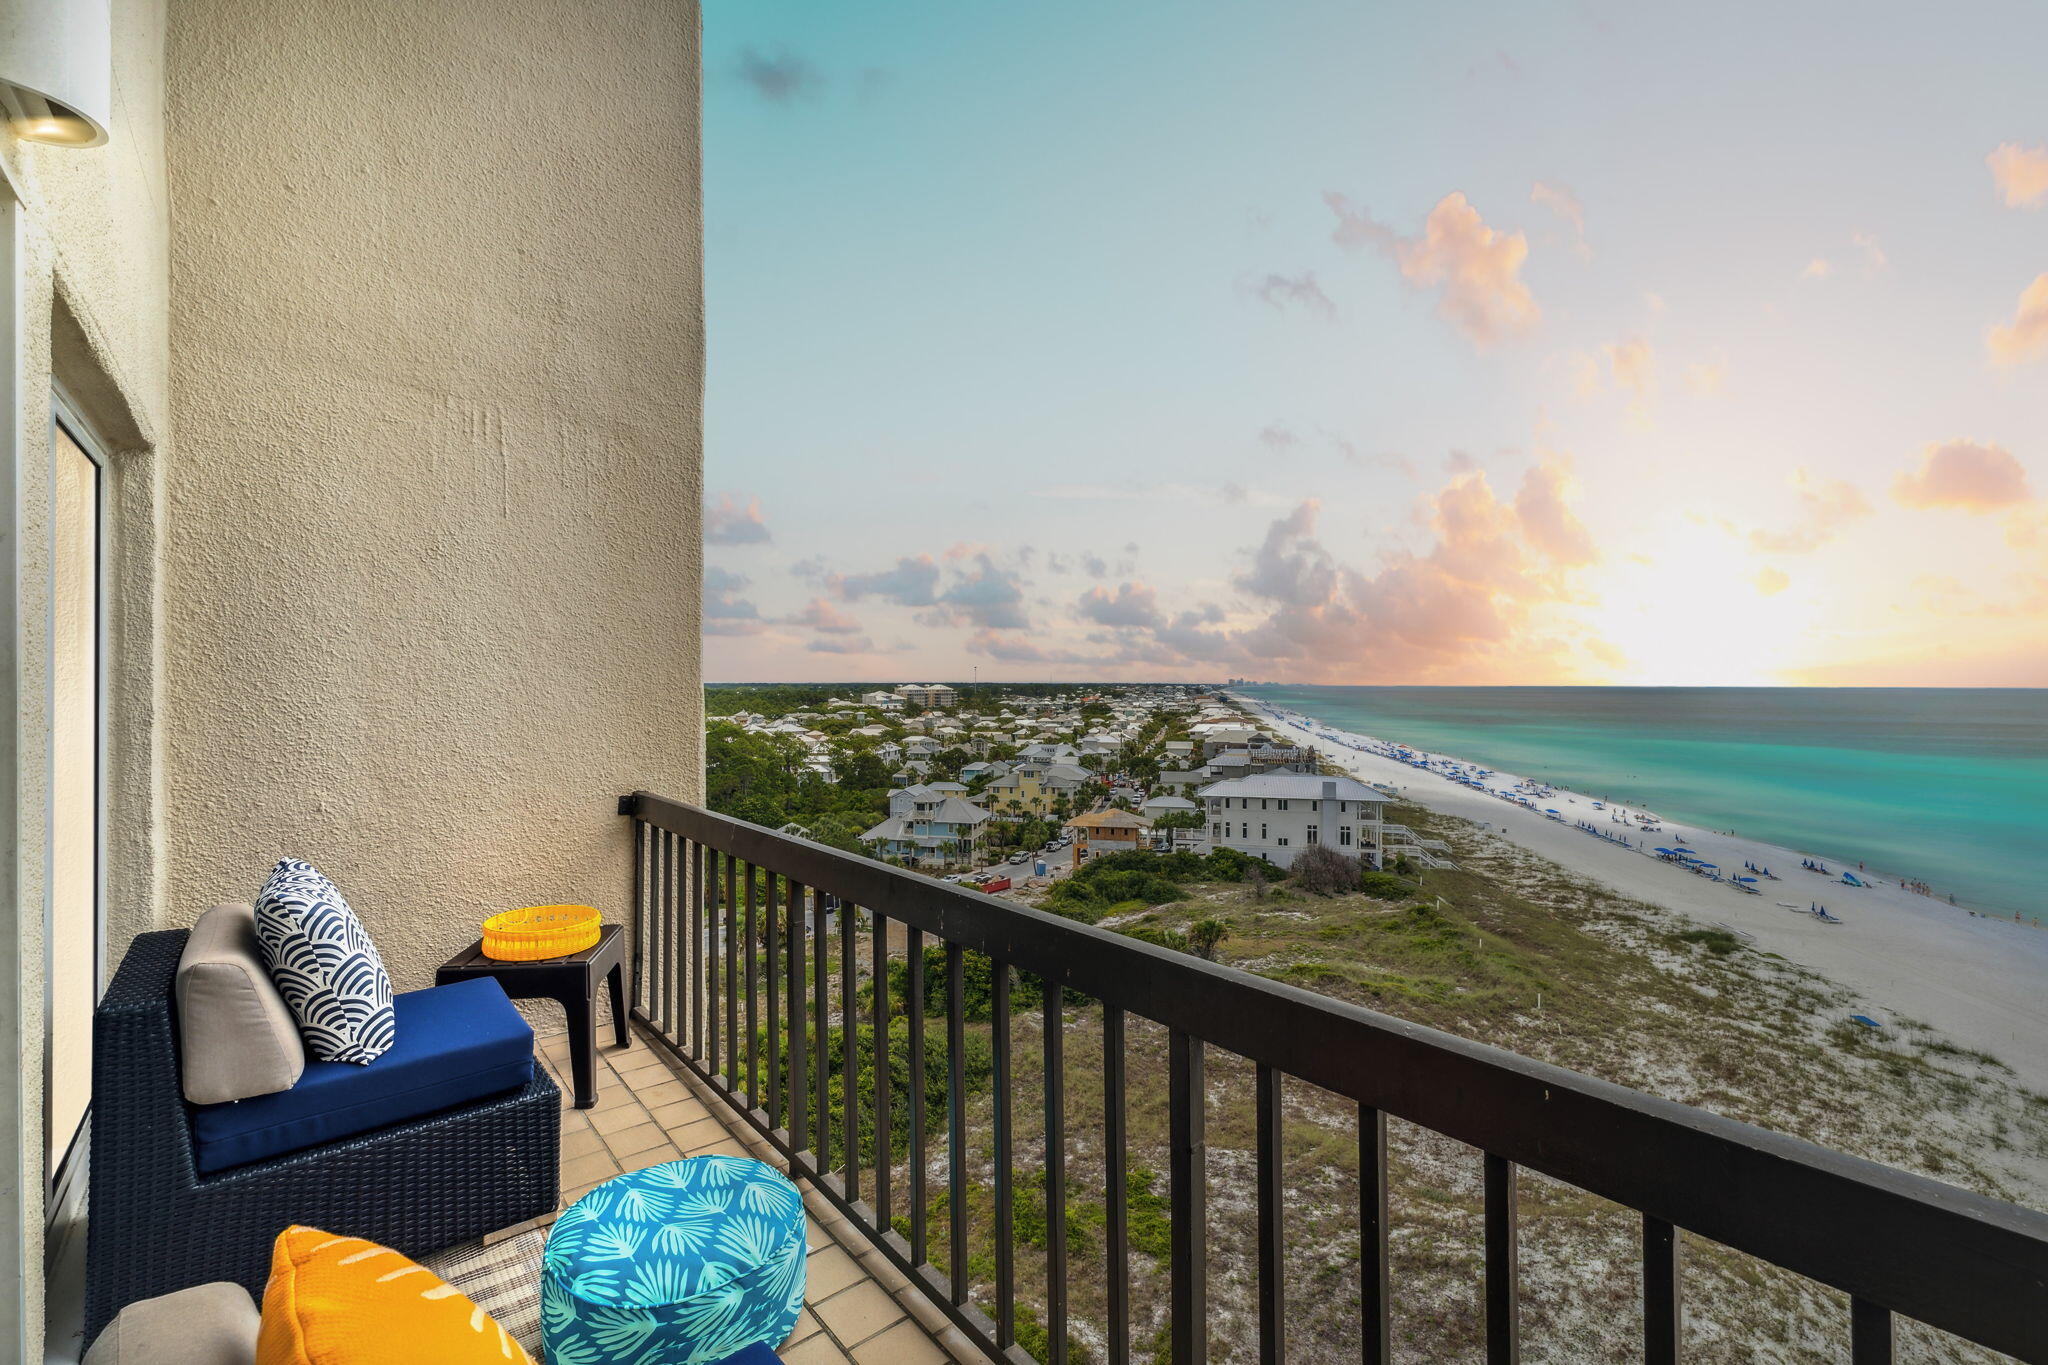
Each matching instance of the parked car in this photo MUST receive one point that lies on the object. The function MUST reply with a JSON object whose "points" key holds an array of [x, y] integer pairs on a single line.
{"points": [[1021, 857]]}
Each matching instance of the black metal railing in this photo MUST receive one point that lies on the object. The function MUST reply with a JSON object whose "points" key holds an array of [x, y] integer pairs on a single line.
{"points": [[712, 890]]}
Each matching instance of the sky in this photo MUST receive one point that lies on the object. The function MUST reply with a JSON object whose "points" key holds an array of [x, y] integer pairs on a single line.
{"points": [[1324, 342]]}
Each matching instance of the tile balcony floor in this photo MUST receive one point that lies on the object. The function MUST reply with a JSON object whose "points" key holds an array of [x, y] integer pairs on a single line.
{"points": [[860, 1308]]}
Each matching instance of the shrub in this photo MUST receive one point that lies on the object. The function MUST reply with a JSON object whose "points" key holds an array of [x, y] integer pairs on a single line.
{"points": [[1204, 935], [1384, 886], [1322, 871], [1719, 942], [1152, 933]]}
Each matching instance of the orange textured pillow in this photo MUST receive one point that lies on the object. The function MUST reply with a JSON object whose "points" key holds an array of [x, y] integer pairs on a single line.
{"points": [[344, 1301]]}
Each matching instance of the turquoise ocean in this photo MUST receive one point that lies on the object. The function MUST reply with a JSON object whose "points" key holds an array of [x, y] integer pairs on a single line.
{"points": [[1947, 786]]}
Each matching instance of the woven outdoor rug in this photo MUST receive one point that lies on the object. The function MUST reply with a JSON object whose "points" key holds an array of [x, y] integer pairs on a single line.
{"points": [[503, 1279]]}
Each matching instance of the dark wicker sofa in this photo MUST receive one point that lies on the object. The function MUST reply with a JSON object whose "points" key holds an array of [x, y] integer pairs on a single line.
{"points": [[155, 1224]]}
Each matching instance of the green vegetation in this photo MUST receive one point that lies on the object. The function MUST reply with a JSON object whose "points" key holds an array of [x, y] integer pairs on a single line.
{"points": [[763, 778], [1719, 942]]}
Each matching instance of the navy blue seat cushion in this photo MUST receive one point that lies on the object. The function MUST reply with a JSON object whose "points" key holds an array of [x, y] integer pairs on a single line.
{"points": [[760, 1353], [453, 1044]]}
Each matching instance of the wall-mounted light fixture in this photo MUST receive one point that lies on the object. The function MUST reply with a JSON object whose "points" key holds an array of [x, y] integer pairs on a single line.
{"points": [[57, 70]]}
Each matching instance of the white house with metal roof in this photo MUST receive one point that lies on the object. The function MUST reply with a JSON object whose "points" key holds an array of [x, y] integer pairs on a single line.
{"points": [[1276, 815]]}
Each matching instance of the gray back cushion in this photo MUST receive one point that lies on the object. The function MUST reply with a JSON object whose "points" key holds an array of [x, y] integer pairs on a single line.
{"points": [[208, 1324], [238, 1036]]}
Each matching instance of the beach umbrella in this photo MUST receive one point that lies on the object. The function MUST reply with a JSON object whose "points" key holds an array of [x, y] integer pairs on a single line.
{"points": [[1666, 850], [1681, 850], [1745, 879]]}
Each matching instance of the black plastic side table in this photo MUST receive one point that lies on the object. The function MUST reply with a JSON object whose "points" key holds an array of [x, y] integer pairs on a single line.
{"points": [[572, 980]]}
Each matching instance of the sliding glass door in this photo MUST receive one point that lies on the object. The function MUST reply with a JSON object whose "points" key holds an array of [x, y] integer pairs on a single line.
{"points": [[75, 928]]}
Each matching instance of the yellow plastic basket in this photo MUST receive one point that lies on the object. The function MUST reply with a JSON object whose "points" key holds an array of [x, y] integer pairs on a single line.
{"points": [[540, 931]]}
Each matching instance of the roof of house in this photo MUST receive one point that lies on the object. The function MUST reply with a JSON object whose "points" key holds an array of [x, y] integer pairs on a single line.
{"points": [[954, 811], [1307, 786], [1110, 819], [1168, 803]]}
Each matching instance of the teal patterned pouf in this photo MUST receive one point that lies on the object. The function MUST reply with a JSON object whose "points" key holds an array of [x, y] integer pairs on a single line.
{"points": [[684, 1263]]}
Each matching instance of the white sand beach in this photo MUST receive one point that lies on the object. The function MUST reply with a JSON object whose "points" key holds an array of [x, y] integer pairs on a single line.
{"points": [[1980, 980]]}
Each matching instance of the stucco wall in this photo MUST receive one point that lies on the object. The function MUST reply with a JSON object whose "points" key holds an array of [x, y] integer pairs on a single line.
{"points": [[87, 285], [432, 559]]}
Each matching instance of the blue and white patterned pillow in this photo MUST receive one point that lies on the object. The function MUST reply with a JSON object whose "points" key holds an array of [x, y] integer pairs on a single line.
{"points": [[324, 965], [685, 1263]]}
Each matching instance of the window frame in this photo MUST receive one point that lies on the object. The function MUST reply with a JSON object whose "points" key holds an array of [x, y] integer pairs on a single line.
{"points": [[66, 418]]}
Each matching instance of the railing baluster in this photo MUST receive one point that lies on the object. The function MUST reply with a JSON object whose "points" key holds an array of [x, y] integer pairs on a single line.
{"points": [[656, 890], [849, 1050], [1188, 1159], [1663, 1308], [1005, 1162], [1055, 1173], [753, 943], [714, 1027], [676, 889], [729, 944], [1116, 1187], [1271, 1207], [1870, 1333], [693, 966], [771, 937], [878, 984], [799, 1044], [920, 1251], [821, 1008], [1374, 1290], [1503, 1264], [643, 840], [956, 1123]]}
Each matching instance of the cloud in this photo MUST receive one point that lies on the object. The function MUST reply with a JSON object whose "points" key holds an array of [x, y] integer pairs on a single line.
{"points": [[1475, 269], [2027, 337], [1632, 364], [1277, 437], [1561, 201], [1466, 608], [1965, 475], [782, 79], [1279, 292], [1095, 566], [990, 596], [1706, 377], [1824, 508], [722, 601], [841, 645], [730, 524], [1771, 580], [1132, 604], [821, 615], [1016, 649], [1224, 494], [2020, 174], [911, 583], [1870, 249], [1547, 520]]}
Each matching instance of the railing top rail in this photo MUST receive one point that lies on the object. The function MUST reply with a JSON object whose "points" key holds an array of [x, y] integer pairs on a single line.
{"points": [[1974, 1266]]}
